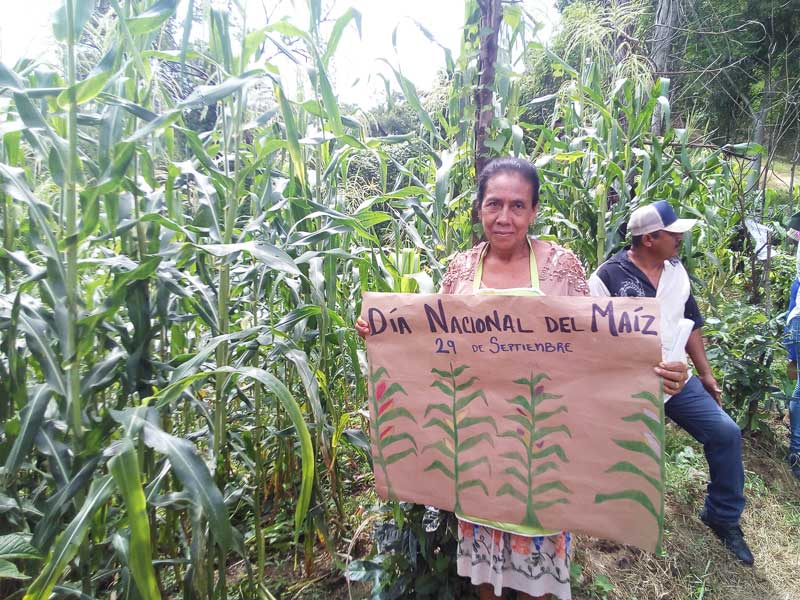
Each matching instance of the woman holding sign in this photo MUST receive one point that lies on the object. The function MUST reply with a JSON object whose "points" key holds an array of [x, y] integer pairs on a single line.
{"points": [[495, 555]]}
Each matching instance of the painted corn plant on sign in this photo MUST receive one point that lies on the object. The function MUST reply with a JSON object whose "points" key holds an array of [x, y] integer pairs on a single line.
{"points": [[537, 411]]}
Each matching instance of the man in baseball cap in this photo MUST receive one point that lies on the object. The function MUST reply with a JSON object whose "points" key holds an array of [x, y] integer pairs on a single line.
{"points": [[650, 267], [657, 216]]}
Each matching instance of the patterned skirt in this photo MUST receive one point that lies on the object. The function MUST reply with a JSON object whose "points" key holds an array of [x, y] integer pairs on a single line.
{"points": [[534, 565]]}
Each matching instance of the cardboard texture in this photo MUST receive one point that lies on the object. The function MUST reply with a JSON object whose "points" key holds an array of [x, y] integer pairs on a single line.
{"points": [[541, 411]]}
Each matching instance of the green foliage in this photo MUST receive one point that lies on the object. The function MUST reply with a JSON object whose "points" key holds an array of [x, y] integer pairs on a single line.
{"points": [[743, 343], [184, 244], [414, 558]]}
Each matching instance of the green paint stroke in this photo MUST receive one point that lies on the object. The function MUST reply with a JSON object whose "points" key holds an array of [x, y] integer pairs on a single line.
{"points": [[454, 421], [386, 411], [531, 434], [650, 445]]}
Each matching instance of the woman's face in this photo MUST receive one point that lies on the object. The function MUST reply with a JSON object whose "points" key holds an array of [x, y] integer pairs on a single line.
{"points": [[507, 210]]}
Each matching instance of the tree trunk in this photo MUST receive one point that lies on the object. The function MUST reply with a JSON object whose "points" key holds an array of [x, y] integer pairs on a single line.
{"points": [[759, 133], [666, 21], [665, 25], [491, 17]]}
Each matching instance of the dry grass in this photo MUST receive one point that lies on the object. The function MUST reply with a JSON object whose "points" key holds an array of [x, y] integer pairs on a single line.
{"points": [[695, 564]]}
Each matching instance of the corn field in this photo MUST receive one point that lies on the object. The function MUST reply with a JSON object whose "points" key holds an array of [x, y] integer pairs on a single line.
{"points": [[185, 240]]}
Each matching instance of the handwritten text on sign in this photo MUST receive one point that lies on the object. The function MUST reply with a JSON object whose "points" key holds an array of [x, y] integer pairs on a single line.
{"points": [[538, 411]]}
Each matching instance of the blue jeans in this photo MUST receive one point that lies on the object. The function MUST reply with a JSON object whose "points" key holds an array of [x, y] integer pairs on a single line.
{"points": [[696, 411], [793, 340]]}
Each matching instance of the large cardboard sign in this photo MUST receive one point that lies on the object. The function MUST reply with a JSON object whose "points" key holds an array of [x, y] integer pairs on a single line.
{"points": [[541, 411]]}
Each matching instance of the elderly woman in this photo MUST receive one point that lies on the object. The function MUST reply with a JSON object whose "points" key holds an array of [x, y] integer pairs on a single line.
{"points": [[502, 555]]}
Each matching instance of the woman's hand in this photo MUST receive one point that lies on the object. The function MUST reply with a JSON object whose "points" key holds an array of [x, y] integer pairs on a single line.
{"points": [[362, 328], [674, 376]]}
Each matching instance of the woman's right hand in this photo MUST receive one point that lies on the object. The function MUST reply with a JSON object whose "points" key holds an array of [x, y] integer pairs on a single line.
{"points": [[362, 328]]}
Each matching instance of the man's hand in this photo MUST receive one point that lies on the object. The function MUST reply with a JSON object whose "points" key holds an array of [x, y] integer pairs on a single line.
{"points": [[791, 370], [362, 328], [712, 387], [673, 376]]}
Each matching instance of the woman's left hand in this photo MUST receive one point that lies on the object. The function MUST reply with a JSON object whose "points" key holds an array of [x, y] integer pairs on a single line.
{"points": [[674, 376]]}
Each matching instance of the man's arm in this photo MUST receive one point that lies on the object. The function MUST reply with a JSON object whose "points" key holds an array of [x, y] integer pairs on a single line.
{"points": [[697, 352]]}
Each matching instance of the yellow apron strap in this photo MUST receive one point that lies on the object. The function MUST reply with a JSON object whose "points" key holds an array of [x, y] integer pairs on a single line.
{"points": [[476, 282]]}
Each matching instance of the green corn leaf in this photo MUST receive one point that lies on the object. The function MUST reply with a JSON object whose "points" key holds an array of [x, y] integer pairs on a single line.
{"points": [[470, 464], [522, 402], [443, 408], [83, 12], [627, 467], [39, 212], [640, 447], [441, 447], [656, 402], [548, 503], [60, 502], [523, 421], [377, 374], [470, 421], [467, 400], [393, 458], [40, 344], [633, 495], [473, 483], [124, 468], [517, 457], [271, 256], [34, 119], [554, 449], [394, 388], [532, 381], [550, 485], [395, 413], [543, 432], [275, 386], [544, 415], [655, 426], [544, 467], [193, 474], [350, 14], [392, 439], [508, 490], [438, 465], [329, 101], [441, 425], [512, 470], [84, 91], [31, 416], [103, 373], [444, 388], [473, 441], [67, 544], [292, 136], [152, 18]]}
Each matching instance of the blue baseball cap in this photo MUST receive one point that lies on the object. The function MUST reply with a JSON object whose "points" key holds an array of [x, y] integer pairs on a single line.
{"points": [[658, 216]]}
